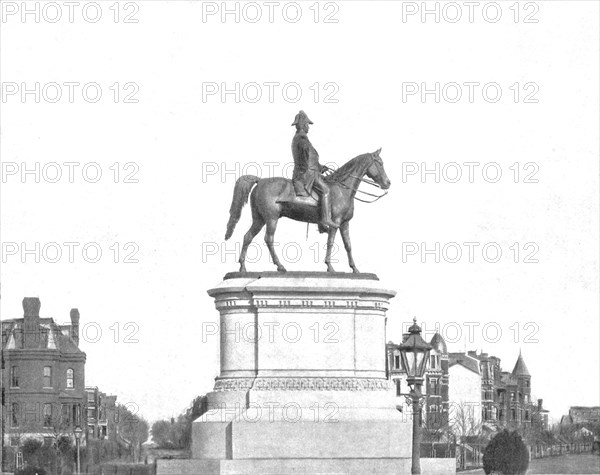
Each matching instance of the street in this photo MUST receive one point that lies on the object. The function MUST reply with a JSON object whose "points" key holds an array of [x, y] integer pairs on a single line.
{"points": [[572, 464]]}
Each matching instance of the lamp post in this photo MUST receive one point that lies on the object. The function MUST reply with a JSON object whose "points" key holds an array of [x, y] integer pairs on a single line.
{"points": [[414, 352], [78, 431]]}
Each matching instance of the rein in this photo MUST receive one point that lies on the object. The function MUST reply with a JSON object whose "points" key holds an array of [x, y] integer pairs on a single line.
{"points": [[369, 182]]}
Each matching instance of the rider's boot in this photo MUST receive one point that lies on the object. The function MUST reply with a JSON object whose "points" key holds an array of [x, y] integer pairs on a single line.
{"points": [[326, 213]]}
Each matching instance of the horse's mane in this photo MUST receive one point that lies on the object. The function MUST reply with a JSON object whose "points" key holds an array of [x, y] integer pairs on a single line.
{"points": [[346, 169]]}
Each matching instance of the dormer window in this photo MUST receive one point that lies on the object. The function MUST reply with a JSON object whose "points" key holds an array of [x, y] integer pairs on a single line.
{"points": [[70, 384]]}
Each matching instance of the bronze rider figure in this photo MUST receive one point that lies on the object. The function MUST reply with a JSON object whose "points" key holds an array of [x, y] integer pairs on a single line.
{"points": [[307, 169]]}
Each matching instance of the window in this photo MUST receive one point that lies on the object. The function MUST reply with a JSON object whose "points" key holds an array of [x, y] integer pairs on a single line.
{"points": [[66, 414], [398, 389], [70, 379], [512, 396], [527, 383], [14, 441], [47, 376], [513, 415], [434, 387], [396, 361], [14, 377], [47, 415], [76, 414], [18, 460], [526, 415], [14, 419]]}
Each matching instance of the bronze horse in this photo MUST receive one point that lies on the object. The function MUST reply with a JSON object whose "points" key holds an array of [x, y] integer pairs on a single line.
{"points": [[273, 198]]}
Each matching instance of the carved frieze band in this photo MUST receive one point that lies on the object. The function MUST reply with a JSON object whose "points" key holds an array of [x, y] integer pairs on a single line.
{"points": [[301, 384], [289, 303]]}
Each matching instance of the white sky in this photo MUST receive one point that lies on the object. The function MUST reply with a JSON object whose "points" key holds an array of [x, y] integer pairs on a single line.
{"points": [[175, 212]]}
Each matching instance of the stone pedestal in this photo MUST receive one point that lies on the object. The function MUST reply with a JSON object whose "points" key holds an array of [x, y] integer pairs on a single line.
{"points": [[302, 386]]}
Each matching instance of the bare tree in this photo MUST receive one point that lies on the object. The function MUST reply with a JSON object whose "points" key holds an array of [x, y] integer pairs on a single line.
{"points": [[465, 422]]}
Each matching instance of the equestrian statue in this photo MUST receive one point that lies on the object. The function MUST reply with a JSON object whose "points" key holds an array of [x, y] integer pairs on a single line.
{"points": [[310, 197]]}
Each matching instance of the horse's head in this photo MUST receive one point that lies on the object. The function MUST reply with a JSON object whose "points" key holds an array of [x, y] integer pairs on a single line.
{"points": [[376, 172]]}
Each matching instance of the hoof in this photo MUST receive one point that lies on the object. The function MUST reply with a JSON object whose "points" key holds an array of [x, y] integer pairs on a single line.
{"points": [[355, 270], [243, 268], [281, 269], [330, 269]]}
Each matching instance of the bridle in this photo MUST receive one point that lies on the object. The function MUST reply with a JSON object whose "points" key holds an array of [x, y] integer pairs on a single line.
{"points": [[369, 182]]}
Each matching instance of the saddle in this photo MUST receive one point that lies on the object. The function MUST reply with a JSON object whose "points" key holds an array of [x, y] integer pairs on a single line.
{"points": [[291, 197]]}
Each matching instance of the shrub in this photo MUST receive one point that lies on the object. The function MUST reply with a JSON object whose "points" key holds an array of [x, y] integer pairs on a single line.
{"points": [[506, 454]]}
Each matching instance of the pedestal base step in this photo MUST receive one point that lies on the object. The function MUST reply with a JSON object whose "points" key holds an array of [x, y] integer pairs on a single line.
{"points": [[387, 466], [284, 466]]}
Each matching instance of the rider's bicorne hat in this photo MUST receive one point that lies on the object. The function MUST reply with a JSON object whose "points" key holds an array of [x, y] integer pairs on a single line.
{"points": [[301, 118]]}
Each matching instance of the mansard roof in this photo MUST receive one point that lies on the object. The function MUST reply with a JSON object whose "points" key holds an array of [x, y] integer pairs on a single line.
{"points": [[55, 337]]}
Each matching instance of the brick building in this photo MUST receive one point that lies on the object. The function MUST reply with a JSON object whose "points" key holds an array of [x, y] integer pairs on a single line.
{"points": [[101, 414], [43, 378], [582, 415], [435, 384], [506, 398]]}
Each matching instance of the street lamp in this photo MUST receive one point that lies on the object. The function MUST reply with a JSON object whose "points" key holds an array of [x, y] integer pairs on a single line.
{"points": [[78, 431], [415, 355]]}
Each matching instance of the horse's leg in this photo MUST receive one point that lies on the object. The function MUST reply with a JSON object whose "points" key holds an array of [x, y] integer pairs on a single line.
{"points": [[257, 225], [345, 230], [269, 239], [330, 240]]}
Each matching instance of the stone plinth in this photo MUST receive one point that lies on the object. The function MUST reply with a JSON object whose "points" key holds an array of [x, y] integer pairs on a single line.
{"points": [[302, 386]]}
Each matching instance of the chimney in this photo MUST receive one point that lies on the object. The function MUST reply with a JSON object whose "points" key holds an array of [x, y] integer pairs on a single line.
{"points": [[472, 353], [75, 325], [31, 307], [31, 322]]}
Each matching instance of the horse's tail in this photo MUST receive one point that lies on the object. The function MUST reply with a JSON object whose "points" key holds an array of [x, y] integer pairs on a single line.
{"points": [[243, 187]]}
